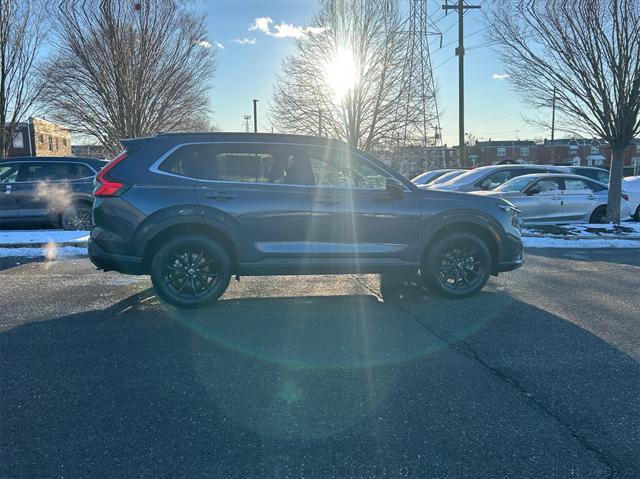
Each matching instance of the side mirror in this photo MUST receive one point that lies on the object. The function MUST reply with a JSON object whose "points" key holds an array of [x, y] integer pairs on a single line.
{"points": [[533, 191], [486, 184], [394, 188]]}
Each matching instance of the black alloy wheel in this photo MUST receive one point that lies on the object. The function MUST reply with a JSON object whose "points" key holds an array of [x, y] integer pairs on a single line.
{"points": [[190, 271], [599, 215], [458, 265]]}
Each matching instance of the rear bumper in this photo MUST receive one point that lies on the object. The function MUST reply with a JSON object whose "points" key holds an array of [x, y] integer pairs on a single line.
{"points": [[106, 261]]}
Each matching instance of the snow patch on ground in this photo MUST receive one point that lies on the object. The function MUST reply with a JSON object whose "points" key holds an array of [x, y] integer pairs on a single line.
{"points": [[50, 252], [541, 242], [42, 236], [585, 230]]}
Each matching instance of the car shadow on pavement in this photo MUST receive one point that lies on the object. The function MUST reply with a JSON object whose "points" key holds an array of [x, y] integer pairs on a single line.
{"points": [[316, 386]]}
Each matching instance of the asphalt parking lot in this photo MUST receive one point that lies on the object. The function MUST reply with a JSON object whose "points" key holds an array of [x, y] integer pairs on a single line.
{"points": [[537, 376]]}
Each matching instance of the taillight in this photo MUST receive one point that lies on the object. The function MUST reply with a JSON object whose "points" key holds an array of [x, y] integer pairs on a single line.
{"points": [[625, 196], [107, 187]]}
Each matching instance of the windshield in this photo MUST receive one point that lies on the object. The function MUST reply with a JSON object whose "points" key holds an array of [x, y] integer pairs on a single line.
{"points": [[469, 176], [446, 177], [516, 184], [426, 177]]}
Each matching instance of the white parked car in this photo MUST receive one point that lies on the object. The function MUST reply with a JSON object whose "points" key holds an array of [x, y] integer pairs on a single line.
{"points": [[558, 198], [486, 178], [631, 186]]}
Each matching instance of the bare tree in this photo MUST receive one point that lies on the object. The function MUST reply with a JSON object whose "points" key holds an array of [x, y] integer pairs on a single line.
{"points": [[589, 50], [21, 36], [129, 69], [345, 80]]}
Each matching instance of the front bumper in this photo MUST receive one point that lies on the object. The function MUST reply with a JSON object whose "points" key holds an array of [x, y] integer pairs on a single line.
{"points": [[511, 254], [106, 261]]}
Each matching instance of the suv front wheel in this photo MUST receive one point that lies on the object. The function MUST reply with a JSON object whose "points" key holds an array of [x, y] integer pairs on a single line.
{"points": [[457, 266], [190, 271]]}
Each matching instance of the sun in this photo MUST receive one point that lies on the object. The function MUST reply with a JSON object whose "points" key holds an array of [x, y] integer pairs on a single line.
{"points": [[341, 74]]}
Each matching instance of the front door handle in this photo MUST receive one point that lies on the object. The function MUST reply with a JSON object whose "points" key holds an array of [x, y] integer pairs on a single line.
{"points": [[219, 195], [591, 197]]}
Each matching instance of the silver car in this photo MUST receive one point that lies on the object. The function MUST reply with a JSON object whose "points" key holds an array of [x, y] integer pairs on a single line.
{"points": [[429, 176], [557, 198], [487, 178]]}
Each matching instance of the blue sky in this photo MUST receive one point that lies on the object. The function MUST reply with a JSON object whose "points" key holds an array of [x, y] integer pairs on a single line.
{"points": [[247, 70]]}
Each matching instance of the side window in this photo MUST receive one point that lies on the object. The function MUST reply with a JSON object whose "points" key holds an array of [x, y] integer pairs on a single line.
{"points": [[495, 179], [602, 176], [579, 186], [266, 164], [8, 173], [193, 161], [44, 171], [78, 170], [340, 169], [546, 185]]}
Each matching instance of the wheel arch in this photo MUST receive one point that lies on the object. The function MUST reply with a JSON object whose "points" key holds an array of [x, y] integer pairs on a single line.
{"points": [[175, 229], [464, 225]]}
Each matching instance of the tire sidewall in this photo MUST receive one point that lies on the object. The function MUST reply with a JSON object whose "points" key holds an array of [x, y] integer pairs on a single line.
{"points": [[204, 243], [596, 212], [430, 270], [72, 212]]}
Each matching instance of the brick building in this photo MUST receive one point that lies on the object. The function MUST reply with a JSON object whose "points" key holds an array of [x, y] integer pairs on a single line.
{"points": [[576, 152], [40, 138]]}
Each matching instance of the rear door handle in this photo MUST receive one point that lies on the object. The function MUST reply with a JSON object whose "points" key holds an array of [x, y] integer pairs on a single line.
{"points": [[591, 197], [219, 195]]}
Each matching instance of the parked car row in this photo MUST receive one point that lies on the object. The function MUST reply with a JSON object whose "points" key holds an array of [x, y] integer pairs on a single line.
{"points": [[47, 190], [544, 193]]}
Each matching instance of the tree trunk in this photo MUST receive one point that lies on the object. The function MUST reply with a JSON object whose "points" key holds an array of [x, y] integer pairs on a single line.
{"points": [[615, 183]]}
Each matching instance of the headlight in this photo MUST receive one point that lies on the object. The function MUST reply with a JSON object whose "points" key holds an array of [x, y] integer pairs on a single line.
{"points": [[509, 208]]}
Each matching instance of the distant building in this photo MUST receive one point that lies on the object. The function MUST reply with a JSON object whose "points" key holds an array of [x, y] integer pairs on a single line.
{"points": [[97, 152], [40, 138]]}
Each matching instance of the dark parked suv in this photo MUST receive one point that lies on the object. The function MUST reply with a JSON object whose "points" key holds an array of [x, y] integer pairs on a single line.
{"points": [[47, 189], [192, 210]]}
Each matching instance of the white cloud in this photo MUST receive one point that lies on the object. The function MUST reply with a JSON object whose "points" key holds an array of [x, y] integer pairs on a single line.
{"points": [[244, 41], [282, 30], [205, 44], [500, 76], [219, 45]]}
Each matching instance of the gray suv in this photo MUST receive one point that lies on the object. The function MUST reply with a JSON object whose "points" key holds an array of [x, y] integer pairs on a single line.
{"points": [[193, 210]]}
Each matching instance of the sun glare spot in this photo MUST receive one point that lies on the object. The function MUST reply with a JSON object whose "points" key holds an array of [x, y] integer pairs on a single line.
{"points": [[341, 73]]}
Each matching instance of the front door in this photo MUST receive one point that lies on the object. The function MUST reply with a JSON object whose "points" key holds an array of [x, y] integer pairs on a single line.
{"points": [[354, 217], [542, 201]]}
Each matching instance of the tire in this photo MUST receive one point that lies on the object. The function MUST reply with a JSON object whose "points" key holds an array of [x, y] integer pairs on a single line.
{"points": [[599, 215], [637, 215], [392, 286], [77, 217], [190, 271], [457, 266]]}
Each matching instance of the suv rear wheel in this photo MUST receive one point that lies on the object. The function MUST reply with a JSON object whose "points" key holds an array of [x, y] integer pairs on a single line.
{"points": [[457, 266], [190, 271]]}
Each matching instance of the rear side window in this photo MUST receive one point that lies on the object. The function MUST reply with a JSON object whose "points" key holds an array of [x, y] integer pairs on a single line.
{"points": [[193, 161], [241, 163], [77, 170], [581, 186]]}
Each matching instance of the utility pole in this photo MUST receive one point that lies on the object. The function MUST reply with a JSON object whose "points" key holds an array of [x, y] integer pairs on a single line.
{"points": [[255, 116], [460, 6], [553, 126]]}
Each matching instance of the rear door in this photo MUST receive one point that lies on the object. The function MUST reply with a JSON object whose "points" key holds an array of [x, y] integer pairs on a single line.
{"points": [[580, 198], [353, 215], [8, 195], [260, 191]]}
